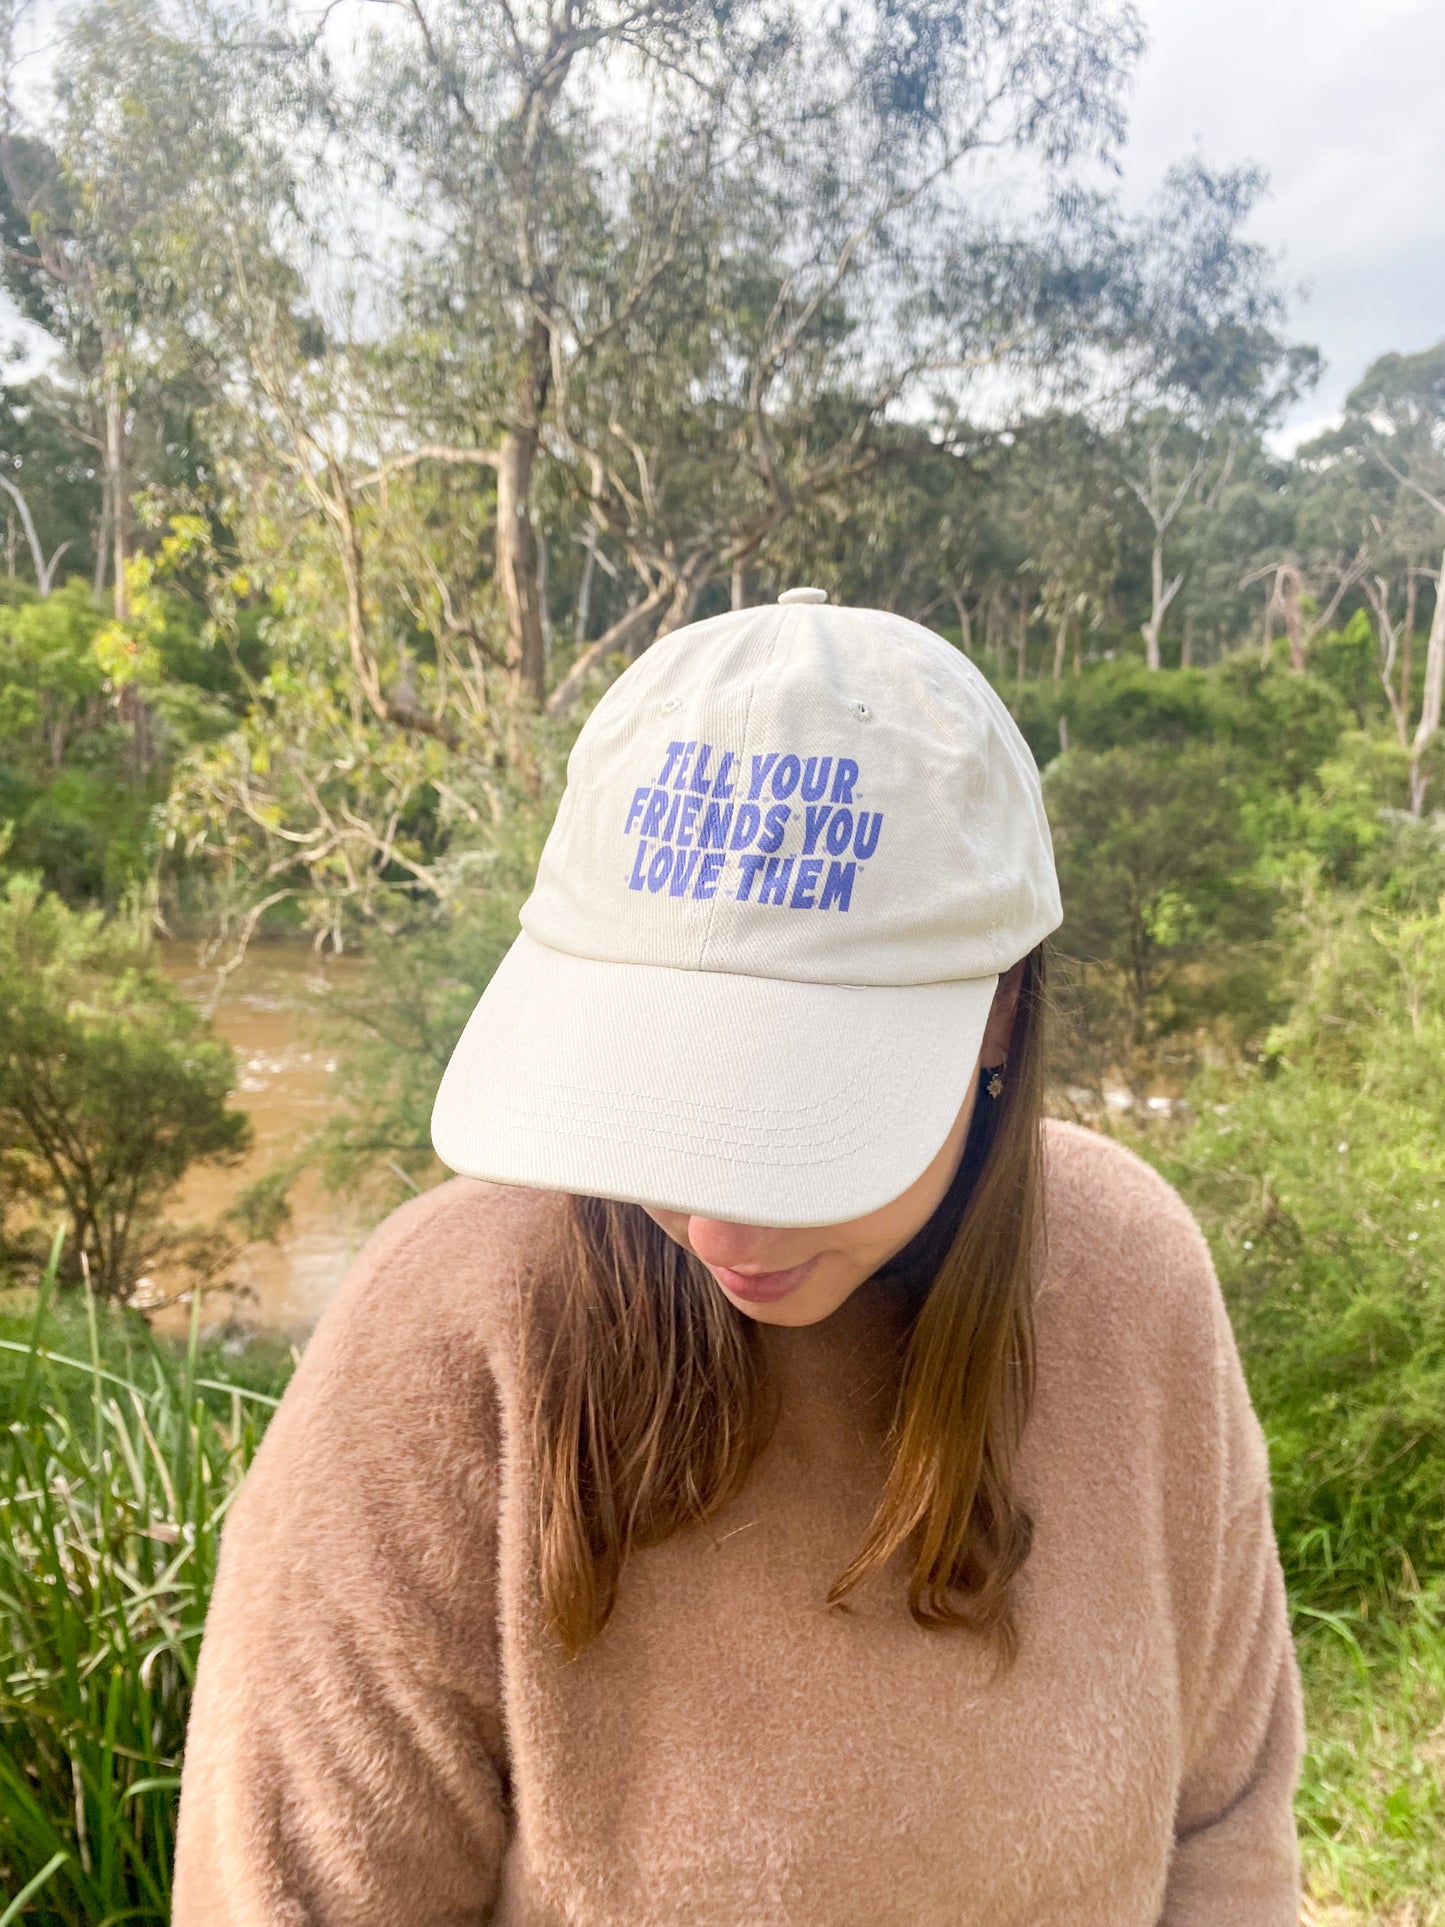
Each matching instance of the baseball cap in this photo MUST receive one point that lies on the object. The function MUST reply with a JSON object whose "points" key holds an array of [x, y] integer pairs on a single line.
{"points": [[797, 846]]}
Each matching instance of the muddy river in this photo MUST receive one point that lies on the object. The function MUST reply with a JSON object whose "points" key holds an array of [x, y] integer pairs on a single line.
{"points": [[285, 1081]]}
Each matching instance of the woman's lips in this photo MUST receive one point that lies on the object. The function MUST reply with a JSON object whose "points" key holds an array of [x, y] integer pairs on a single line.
{"points": [[761, 1287]]}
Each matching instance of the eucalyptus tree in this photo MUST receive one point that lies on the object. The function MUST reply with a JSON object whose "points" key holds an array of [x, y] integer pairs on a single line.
{"points": [[1196, 334], [165, 228], [1369, 498], [1071, 520], [670, 234], [1244, 521], [1395, 422], [485, 124], [91, 180]]}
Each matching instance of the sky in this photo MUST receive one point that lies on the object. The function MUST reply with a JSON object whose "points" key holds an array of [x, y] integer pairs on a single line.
{"points": [[1339, 100]]}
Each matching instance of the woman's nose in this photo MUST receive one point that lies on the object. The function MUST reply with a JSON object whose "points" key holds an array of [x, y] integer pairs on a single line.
{"points": [[717, 1242]]}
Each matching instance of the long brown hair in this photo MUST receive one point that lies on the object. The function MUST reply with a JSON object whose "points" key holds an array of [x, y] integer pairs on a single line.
{"points": [[653, 1401]]}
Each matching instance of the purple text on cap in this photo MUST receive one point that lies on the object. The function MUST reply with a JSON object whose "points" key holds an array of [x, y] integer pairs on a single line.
{"points": [[807, 882], [635, 808], [844, 778], [774, 825], [838, 886]]}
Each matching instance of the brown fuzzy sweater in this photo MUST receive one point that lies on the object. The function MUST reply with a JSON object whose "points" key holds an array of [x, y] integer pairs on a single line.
{"points": [[384, 1734]]}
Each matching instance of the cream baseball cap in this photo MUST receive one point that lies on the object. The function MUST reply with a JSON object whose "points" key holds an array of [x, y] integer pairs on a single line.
{"points": [[797, 846]]}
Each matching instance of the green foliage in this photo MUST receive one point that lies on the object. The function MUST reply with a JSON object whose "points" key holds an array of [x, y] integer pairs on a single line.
{"points": [[85, 765], [1371, 1803], [1345, 823], [1165, 910], [1345, 659], [395, 1029], [1118, 704], [1280, 725], [1320, 1174], [1283, 725], [116, 1470], [111, 1084]]}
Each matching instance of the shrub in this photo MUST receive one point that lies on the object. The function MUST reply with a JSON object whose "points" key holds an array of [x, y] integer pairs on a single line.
{"points": [[1320, 1177], [111, 1084], [1165, 913], [1279, 726]]}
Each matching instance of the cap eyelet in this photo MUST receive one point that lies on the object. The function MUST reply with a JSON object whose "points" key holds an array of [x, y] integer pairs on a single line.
{"points": [[673, 702], [861, 711]]}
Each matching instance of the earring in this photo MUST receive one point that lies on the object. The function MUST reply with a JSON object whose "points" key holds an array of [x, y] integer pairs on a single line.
{"points": [[994, 1086]]}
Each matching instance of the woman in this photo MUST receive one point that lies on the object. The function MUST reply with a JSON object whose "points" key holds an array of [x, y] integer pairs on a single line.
{"points": [[794, 1487]]}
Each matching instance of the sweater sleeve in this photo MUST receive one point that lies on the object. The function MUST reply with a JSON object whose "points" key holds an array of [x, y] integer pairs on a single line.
{"points": [[1236, 1856], [345, 1762]]}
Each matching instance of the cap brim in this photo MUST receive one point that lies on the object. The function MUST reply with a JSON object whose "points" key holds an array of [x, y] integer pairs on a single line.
{"points": [[752, 1099]]}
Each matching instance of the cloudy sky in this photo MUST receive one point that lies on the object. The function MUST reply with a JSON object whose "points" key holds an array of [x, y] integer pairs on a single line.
{"points": [[1340, 100]]}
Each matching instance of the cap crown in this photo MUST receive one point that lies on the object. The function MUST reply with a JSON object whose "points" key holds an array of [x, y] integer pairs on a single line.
{"points": [[824, 794]]}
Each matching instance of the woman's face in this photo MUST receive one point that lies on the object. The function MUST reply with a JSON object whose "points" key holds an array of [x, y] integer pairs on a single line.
{"points": [[799, 1276]]}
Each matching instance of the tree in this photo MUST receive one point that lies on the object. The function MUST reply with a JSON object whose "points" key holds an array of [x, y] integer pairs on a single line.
{"points": [[1070, 519], [1157, 875], [1199, 324], [110, 1085], [1400, 406], [84, 216], [669, 292]]}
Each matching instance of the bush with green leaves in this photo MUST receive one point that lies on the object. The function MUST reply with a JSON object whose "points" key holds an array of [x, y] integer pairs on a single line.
{"points": [[1279, 727], [85, 763], [395, 1025], [1166, 912], [111, 1085], [1319, 1174]]}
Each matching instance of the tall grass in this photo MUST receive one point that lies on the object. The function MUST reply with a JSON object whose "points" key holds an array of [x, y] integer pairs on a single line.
{"points": [[1371, 1803], [115, 1477]]}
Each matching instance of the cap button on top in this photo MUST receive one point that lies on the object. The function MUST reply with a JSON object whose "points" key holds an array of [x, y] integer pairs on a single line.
{"points": [[803, 595]]}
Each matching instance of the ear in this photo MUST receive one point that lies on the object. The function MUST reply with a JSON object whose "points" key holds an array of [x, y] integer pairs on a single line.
{"points": [[999, 1030]]}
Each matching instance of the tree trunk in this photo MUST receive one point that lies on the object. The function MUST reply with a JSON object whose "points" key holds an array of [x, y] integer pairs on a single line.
{"points": [[1294, 629], [1061, 644], [1186, 651], [1156, 604], [517, 560], [739, 586], [965, 622], [32, 537], [1021, 644], [1407, 640], [1430, 699], [584, 589], [115, 465], [618, 636], [102, 541], [543, 563], [686, 590], [519, 557]]}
